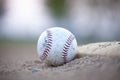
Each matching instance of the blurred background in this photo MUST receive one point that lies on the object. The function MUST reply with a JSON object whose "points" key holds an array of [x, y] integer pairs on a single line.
{"points": [[89, 20]]}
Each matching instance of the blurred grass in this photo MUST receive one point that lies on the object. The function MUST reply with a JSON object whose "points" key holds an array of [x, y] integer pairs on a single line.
{"points": [[17, 42], [33, 42]]}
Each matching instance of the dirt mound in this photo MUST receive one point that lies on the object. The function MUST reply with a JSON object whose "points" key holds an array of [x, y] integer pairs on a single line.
{"points": [[97, 61]]}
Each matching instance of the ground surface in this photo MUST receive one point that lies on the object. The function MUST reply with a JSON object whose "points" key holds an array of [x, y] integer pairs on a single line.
{"points": [[20, 62]]}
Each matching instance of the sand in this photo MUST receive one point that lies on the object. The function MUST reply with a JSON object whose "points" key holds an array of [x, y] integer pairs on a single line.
{"points": [[94, 61]]}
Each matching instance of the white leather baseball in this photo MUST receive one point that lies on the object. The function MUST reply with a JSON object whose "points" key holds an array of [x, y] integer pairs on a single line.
{"points": [[56, 46]]}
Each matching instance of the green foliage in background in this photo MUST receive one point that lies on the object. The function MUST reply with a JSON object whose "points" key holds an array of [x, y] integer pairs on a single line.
{"points": [[58, 7]]}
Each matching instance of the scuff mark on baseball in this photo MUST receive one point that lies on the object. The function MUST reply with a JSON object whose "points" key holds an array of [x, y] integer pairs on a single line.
{"points": [[56, 46], [102, 48]]}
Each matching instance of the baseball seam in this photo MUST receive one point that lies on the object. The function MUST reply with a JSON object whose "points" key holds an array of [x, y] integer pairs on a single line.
{"points": [[48, 46], [66, 47]]}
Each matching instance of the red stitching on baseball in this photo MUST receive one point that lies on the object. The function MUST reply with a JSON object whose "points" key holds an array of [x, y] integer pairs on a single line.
{"points": [[48, 46], [66, 47]]}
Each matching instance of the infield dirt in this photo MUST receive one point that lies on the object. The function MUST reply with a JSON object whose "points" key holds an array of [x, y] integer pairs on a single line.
{"points": [[95, 61]]}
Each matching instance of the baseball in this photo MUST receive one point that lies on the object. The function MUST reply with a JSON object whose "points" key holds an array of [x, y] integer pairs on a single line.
{"points": [[56, 46]]}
